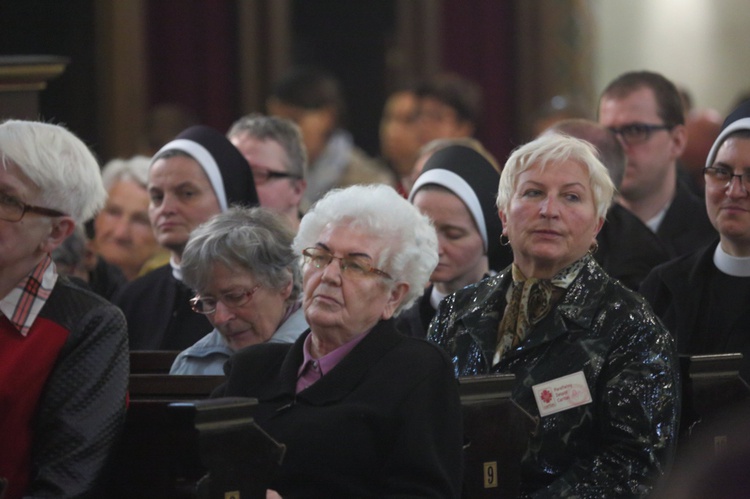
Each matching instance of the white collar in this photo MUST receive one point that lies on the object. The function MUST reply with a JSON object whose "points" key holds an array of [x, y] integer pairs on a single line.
{"points": [[436, 297], [176, 270], [737, 266]]}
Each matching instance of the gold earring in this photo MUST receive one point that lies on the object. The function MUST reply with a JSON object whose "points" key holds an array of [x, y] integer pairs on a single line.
{"points": [[507, 240]]}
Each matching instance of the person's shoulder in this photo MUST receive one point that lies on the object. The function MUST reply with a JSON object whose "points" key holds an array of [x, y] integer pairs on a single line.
{"points": [[70, 296], [478, 292], [144, 286], [680, 268], [362, 168], [262, 353]]}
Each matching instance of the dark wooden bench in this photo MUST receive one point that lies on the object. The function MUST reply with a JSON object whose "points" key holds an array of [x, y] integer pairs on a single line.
{"points": [[152, 361], [157, 455], [495, 435]]}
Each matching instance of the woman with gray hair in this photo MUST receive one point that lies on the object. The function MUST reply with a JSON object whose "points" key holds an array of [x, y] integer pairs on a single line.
{"points": [[122, 230], [363, 410], [595, 369], [248, 284]]}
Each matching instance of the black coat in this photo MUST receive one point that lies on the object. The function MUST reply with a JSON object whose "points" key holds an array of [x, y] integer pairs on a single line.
{"points": [[158, 312], [621, 442], [414, 320], [385, 422], [628, 249], [686, 227]]}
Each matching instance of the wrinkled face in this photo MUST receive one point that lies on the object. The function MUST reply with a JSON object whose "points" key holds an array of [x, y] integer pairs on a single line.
{"points": [[399, 140], [181, 199], [551, 219], [279, 194], [728, 204], [462, 259], [22, 243], [437, 120], [316, 125], [123, 231], [254, 322], [649, 162], [342, 305]]}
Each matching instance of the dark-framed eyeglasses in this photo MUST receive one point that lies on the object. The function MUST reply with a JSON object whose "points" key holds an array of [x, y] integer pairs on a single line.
{"points": [[13, 210], [720, 176], [207, 304], [263, 175], [351, 266], [637, 133]]}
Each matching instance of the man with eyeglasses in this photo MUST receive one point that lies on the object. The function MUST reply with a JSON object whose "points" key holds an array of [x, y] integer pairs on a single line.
{"points": [[63, 348], [702, 297], [644, 110], [274, 148]]}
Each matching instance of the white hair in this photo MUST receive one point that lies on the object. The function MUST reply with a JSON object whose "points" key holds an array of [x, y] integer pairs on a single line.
{"points": [[555, 148], [411, 250], [58, 163], [134, 169]]}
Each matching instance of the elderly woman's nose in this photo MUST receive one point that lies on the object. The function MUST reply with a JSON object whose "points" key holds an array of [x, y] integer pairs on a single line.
{"points": [[332, 272], [223, 313]]}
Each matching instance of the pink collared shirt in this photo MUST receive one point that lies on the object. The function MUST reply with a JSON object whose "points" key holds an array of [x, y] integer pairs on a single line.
{"points": [[313, 369]]}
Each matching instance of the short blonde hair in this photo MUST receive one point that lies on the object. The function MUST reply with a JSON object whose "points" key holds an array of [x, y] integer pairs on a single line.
{"points": [[555, 148]]}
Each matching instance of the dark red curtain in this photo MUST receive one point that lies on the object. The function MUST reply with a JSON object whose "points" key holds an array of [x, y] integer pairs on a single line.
{"points": [[192, 54], [479, 44]]}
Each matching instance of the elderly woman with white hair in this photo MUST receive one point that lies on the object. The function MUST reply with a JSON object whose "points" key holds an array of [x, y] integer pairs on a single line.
{"points": [[595, 369], [363, 410]]}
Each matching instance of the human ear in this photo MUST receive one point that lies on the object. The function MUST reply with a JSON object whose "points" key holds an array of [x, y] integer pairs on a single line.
{"points": [[396, 296]]}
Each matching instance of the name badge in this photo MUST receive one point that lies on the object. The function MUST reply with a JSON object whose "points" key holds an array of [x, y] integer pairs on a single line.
{"points": [[561, 394]]}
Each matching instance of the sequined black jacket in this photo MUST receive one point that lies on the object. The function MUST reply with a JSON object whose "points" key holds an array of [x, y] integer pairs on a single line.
{"points": [[615, 446]]}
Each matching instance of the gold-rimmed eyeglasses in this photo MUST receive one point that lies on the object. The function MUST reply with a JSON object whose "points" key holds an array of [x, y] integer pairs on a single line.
{"points": [[353, 266], [235, 299]]}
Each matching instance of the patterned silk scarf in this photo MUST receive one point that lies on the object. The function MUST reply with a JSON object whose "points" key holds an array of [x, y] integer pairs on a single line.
{"points": [[529, 300]]}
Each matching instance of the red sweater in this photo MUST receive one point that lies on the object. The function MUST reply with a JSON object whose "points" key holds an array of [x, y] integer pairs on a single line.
{"points": [[25, 365]]}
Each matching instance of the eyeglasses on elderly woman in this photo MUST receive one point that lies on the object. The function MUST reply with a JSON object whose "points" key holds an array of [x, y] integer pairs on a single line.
{"points": [[235, 299], [351, 266]]}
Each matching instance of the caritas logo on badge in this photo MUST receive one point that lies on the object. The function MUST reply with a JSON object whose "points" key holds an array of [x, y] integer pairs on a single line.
{"points": [[562, 393]]}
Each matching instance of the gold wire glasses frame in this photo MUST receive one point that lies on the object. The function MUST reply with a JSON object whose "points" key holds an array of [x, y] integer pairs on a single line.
{"points": [[13, 210], [720, 176], [207, 306], [356, 266]]}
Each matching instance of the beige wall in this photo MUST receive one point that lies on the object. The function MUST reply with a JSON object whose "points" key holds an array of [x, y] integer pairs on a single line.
{"points": [[701, 44]]}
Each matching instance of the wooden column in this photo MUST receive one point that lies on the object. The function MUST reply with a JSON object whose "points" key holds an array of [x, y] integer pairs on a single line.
{"points": [[22, 78]]}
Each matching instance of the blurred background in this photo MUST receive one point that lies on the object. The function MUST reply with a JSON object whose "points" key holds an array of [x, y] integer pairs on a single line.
{"points": [[215, 60]]}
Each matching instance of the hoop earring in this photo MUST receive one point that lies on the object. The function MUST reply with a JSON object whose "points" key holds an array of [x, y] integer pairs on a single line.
{"points": [[594, 248], [507, 241]]}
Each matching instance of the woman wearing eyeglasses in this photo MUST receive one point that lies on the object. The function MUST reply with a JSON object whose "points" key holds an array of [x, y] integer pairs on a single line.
{"points": [[363, 410], [702, 297], [248, 281]]}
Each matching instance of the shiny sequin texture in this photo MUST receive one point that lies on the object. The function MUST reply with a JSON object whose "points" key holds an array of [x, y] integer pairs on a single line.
{"points": [[616, 446]]}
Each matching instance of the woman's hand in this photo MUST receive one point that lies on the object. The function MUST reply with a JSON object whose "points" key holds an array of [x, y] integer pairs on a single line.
{"points": [[272, 494]]}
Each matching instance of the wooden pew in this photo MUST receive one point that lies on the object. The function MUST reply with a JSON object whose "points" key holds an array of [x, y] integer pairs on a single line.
{"points": [[157, 456], [711, 390], [152, 361], [495, 435]]}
